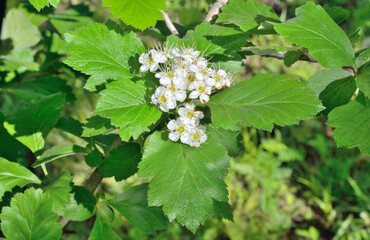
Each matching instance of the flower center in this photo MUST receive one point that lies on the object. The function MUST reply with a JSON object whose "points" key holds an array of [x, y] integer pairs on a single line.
{"points": [[190, 114], [180, 129], [201, 89], [190, 78], [150, 61], [217, 78], [204, 72], [162, 99], [170, 74], [172, 88], [196, 136]]}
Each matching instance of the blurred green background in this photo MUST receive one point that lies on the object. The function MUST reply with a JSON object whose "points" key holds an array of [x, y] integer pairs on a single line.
{"points": [[292, 183]]}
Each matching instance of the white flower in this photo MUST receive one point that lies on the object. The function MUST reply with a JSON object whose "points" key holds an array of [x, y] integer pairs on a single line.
{"points": [[148, 63], [164, 99], [189, 54], [197, 136], [200, 69], [201, 90], [180, 95], [158, 56], [189, 116], [178, 130], [190, 79], [166, 77], [219, 79], [180, 82], [174, 53]]}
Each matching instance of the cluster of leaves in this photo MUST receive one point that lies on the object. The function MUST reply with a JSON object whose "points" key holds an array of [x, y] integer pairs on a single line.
{"points": [[186, 184]]}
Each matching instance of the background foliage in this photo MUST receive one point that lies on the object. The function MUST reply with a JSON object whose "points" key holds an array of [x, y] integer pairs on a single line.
{"points": [[292, 183]]}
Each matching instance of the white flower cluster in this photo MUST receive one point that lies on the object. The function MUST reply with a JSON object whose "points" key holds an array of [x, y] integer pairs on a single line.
{"points": [[183, 73]]}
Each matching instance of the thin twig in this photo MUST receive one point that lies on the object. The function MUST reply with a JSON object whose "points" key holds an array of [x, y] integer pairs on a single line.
{"points": [[214, 10], [304, 57], [169, 23]]}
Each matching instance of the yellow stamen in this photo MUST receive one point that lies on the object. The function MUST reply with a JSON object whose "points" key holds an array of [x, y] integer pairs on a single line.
{"points": [[180, 129], [197, 136], [162, 99]]}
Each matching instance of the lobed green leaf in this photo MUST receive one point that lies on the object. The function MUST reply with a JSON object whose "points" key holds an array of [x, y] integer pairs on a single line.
{"points": [[262, 101], [314, 29], [184, 179]]}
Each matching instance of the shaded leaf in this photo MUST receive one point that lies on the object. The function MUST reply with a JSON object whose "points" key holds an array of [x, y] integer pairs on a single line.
{"points": [[94, 159], [122, 161], [97, 125], [59, 192], [338, 14], [102, 230], [58, 152], [81, 206], [30, 125], [133, 205], [363, 81], [334, 87], [222, 210], [351, 123], [227, 138], [291, 57]]}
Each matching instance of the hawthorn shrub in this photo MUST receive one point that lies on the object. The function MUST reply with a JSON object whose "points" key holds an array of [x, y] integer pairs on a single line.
{"points": [[170, 107]]}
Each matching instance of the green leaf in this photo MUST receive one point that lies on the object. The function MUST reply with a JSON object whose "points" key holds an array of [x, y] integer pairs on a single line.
{"points": [[29, 217], [315, 30], [334, 87], [351, 123], [94, 159], [125, 104], [216, 42], [140, 14], [265, 50], [222, 210], [31, 124], [58, 152], [49, 85], [262, 101], [75, 17], [122, 161], [184, 179], [291, 57], [102, 230], [363, 58], [14, 174], [59, 192], [227, 138], [363, 81], [102, 53], [20, 30], [81, 206], [39, 4], [97, 125], [133, 205], [338, 14], [247, 15], [19, 60]]}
